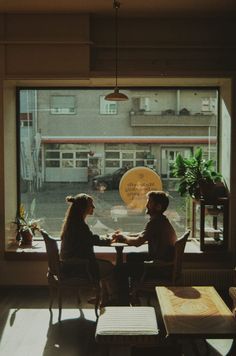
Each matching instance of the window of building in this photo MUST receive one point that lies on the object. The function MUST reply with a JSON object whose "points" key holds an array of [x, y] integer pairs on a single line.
{"points": [[209, 105], [73, 156], [62, 105], [127, 156], [107, 107], [168, 157], [26, 119], [64, 156]]}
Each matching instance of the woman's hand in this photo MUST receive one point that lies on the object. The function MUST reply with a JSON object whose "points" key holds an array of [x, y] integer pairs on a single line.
{"points": [[118, 237]]}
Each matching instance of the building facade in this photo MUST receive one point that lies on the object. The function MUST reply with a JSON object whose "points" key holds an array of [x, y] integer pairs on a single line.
{"points": [[150, 129]]}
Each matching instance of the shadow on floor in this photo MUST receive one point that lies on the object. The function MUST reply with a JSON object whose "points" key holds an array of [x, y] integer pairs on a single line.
{"points": [[74, 337]]}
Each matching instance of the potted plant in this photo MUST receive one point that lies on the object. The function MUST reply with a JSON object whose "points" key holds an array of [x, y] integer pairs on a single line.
{"points": [[198, 177], [25, 227]]}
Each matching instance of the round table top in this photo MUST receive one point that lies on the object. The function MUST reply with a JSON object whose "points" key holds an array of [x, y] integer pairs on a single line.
{"points": [[118, 244]]}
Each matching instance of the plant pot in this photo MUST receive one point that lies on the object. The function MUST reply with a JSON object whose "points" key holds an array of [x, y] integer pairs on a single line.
{"points": [[212, 191], [207, 190], [220, 190], [26, 237]]}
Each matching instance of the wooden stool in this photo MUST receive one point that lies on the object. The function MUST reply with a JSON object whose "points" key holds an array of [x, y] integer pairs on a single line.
{"points": [[119, 328]]}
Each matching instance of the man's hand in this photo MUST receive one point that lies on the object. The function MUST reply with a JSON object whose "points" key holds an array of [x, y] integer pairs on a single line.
{"points": [[118, 237]]}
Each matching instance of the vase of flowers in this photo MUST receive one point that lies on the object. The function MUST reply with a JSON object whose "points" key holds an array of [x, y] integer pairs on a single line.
{"points": [[26, 228]]}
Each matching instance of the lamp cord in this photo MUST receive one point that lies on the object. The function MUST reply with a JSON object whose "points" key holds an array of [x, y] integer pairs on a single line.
{"points": [[116, 6]]}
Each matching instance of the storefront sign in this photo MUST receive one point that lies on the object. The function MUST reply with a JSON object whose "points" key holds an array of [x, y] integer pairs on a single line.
{"points": [[135, 184]]}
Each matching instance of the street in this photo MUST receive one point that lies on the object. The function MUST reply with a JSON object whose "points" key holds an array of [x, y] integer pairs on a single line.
{"points": [[110, 213]]}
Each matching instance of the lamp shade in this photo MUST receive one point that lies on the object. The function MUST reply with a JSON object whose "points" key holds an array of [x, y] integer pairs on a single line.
{"points": [[116, 96]]}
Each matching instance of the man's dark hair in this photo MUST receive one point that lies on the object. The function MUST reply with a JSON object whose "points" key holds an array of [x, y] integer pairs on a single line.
{"points": [[159, 197]]}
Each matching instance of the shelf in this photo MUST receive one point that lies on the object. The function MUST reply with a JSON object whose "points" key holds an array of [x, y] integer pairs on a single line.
{"points": [[213, 223]]}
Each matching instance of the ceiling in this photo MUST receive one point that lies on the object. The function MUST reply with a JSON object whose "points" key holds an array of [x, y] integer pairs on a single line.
{"points": [[141, 8]]}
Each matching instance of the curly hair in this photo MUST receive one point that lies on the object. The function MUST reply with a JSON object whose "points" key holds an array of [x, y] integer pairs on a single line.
{"points": [[159, 197]]}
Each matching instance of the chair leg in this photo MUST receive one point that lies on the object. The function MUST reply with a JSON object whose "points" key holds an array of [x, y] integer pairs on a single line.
{"points": [[96, 306], [102, 295], [78, 298], [134, 297], [51, 296], [59, 304]]}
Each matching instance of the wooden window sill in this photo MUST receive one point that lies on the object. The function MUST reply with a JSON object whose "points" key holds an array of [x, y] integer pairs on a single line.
{"points": [[37, 252]]}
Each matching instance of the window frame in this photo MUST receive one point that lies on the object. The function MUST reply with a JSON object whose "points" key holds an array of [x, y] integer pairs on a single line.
{"points": [[215, 86]]}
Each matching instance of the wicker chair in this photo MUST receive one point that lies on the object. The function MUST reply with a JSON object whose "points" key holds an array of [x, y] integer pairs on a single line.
{"points": [[58, 281], [161, 273]]}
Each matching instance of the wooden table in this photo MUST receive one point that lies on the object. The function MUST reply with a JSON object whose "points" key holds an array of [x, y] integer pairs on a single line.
{"points": [[196, 312]]}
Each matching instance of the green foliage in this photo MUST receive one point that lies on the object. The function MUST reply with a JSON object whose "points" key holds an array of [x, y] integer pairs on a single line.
{"points": [[193, 172], [23, 223]]}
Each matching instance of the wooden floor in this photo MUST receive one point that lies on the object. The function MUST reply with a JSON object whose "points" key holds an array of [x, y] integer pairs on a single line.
{"points": [[28, 329]]}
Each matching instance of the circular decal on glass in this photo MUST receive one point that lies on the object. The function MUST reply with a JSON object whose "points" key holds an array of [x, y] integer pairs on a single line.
{"points": [[135, 184]]}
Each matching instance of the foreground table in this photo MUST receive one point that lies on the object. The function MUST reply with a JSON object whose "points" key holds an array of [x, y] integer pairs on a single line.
{"points": [[196, 312]]}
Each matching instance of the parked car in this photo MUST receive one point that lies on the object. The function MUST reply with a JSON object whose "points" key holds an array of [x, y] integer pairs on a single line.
{"points": [[109, 180]]}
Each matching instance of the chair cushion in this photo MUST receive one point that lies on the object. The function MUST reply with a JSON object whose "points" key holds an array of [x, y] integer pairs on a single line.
{"points": [[127, 325]]}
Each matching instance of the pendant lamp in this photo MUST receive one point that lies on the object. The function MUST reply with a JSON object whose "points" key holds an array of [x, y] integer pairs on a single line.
{"points": [[116, 95]]}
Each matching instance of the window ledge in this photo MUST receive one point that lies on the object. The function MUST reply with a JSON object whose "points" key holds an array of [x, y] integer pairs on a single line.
{"points": [[37, 252]]}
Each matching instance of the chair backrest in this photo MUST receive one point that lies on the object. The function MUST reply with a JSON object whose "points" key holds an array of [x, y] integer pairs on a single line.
{"points": [[178, 256], [52, 254]]}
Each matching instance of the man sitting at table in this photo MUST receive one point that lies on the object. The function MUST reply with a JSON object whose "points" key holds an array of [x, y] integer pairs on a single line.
{"points": [[158, 233]]}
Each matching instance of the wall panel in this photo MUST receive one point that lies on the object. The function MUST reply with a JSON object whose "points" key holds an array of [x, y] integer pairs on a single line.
{"points": [[47, 27], [47, 59]]}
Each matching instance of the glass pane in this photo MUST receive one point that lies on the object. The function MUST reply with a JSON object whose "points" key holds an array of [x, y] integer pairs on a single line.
{"points": [[103, 148], [67, 164], [112, 155], [112, 163], [52, 163], [128, 164], [139, 163], [49, 154], [141, 154], [126, 155], [81, 154], [67, 155], [81, 164]]}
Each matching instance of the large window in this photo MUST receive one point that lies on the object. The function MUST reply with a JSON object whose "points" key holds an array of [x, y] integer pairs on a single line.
{"points": [[89, 152]]}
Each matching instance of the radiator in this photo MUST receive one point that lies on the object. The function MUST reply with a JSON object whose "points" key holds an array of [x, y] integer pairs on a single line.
{"points": [[219, 278]]}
